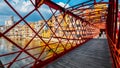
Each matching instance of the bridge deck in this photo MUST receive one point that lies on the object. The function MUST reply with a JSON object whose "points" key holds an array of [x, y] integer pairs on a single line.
{"points": [[93, 54]]}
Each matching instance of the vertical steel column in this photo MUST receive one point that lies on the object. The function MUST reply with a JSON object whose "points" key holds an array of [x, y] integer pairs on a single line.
{"points": [[110, 19], [118, 43], [111, 32], [115, 18]]}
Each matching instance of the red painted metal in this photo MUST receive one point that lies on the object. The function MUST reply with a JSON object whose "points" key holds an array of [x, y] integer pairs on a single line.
{"points": [[112, 34], [74, 30]]}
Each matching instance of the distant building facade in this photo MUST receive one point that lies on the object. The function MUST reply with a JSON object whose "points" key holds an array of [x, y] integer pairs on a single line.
{"points": [[10, 21], [8, 24]]}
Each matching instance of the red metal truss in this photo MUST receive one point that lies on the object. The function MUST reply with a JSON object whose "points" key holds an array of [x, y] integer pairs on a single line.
{"points": [[65, 30], [113, 32]]}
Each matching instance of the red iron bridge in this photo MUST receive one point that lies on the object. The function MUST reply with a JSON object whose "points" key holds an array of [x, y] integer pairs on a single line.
{"points": [[83, 35]]}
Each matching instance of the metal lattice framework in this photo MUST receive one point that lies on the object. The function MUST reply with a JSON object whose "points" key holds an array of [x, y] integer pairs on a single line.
{"points": [[50, 38]]}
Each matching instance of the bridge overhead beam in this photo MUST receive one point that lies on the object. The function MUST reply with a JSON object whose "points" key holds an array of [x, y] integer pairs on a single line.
{"points": [[57, 7], [62, 9]]}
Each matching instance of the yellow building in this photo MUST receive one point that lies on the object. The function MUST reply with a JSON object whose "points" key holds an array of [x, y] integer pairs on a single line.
{"points": [[96, 13], [63, 27], [99, 15], [25, 30]]}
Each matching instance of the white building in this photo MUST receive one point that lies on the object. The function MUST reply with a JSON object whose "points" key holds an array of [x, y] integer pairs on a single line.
{"points": [[1, 28], [10, 21]]}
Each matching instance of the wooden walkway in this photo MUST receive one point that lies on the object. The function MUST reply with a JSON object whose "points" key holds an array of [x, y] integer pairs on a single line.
{"points": [[93, 54]]}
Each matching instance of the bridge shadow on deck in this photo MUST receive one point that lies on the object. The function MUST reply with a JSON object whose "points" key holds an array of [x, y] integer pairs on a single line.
{"points": [[93, 54]]}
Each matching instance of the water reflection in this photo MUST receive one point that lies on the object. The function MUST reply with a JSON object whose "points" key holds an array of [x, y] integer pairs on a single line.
{"points": [[35, 47], [7, 47], [2, 42]]}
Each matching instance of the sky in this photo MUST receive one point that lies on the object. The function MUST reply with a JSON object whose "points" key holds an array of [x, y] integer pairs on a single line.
{"points": [[25, 6]]}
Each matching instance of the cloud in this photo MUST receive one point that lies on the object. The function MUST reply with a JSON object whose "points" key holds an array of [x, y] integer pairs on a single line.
{"points": [[16, 1], [24, 7], [45, 11], [5, 12], [63, 4]]}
